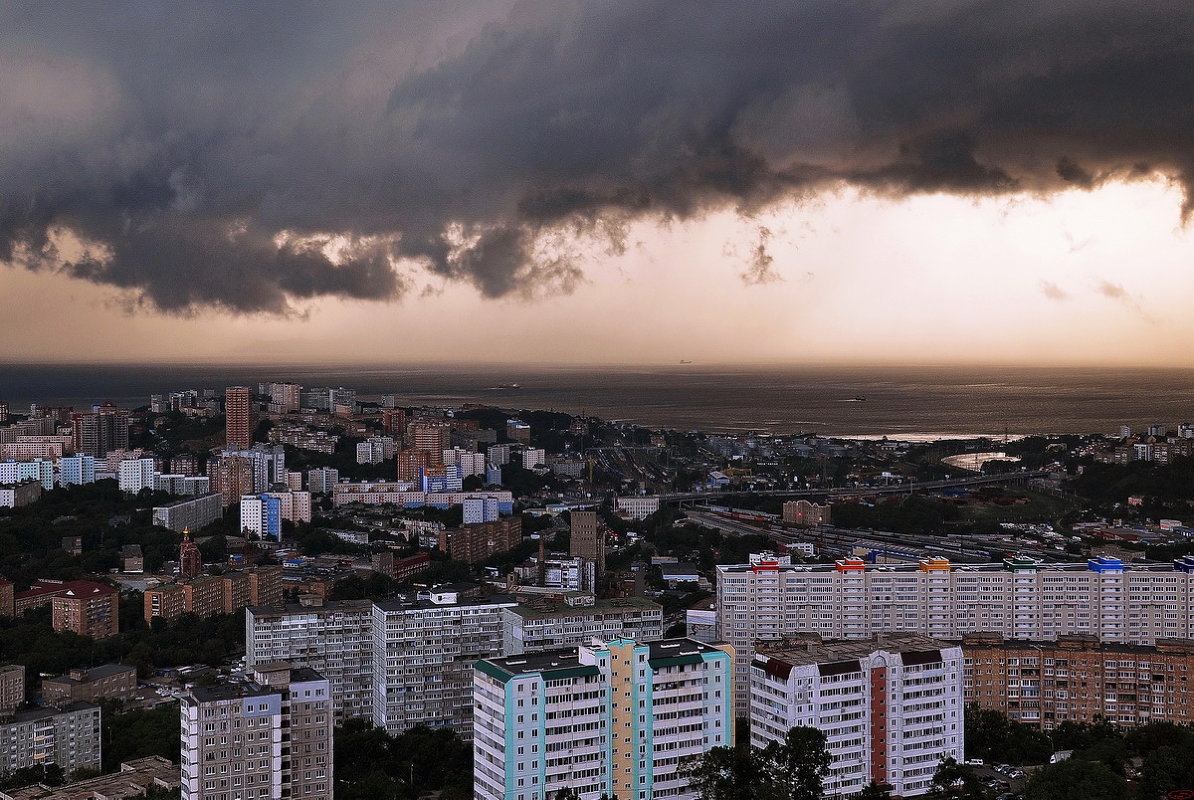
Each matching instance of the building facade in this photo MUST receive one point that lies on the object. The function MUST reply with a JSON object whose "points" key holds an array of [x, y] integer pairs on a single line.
{"points": [[69, 737], [423, 656], [189, 514], [270, 737], [613, 719], [476, 542], [1018, 598], [891, 707], [238, 413], [334, 639], [12, 688], [1077, 678], [544, 624], [586, 539]]}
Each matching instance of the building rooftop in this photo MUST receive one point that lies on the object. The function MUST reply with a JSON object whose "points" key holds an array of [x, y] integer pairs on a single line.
{"points": [[1073, 641], [808, 649], [66, 588], [546, 661], [95, 673], [32, 714], [411, 604], [230, 691], [1017, 563], [541, 609], [328, 607], [134, 777]]}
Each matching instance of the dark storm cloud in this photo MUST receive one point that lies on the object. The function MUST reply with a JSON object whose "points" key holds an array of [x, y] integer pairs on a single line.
{"points": [[204, 152]]}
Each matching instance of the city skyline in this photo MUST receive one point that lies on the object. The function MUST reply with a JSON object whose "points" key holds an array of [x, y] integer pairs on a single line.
{"points": [[613, 183]]}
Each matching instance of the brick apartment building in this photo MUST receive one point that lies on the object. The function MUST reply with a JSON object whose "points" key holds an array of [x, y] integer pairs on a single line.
{"points": [[475, 543], [1077, 678]]}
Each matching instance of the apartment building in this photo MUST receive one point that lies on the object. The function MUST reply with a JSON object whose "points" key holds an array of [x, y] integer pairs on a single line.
{"points": [[546, 624], [270, 737], [85, 607], [116, 681], [423, 656], [12, 688], [68, 737], [206, 595], [476, 542], [614, 719], [193, 514], [334, 639], [1018, 598], [1077, 678], [586, 539], [890, 706], [7, 598]]}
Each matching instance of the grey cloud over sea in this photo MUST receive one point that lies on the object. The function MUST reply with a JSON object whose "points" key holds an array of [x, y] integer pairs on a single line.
{"points": [[212, 155]]}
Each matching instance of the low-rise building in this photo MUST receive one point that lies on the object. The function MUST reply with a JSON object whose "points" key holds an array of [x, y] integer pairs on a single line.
{"points": [[638, 506], [114, 681], [134, 779], [193, 514]]}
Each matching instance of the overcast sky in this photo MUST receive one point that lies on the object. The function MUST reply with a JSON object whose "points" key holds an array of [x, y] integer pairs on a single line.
{"points": [[875, 181]]}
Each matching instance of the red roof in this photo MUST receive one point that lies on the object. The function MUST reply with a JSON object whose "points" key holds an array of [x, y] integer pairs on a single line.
{"points": [[65, 588]]}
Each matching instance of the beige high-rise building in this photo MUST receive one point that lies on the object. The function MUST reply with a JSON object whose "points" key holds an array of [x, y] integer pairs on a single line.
{"points": [[238, 410], [586, 539]]}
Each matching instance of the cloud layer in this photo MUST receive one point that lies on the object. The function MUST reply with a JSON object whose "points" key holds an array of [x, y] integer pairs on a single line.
{"points": [[248, 156]]}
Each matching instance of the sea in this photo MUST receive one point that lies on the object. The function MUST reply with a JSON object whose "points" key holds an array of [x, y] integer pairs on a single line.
{"points": [[914, 403]]}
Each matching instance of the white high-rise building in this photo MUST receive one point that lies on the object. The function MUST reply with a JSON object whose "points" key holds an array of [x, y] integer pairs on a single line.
{"points": [[334, 639], [1018, 598], [891, 707], [77, 469], [136, 474], [614, 719], [270, 737], [423, 655], [480, 509], [36, 469], [533, 457]]}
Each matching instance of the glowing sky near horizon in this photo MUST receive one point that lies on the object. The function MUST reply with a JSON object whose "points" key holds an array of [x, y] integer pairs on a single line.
{"points": [[1089, 277]]}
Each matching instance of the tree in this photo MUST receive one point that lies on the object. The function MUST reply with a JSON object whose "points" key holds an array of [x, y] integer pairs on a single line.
{"points": [[1075, 779], [1167, 768], [954, 781], [723, 773], [874, 791], [793, 770], [993, 737]]}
